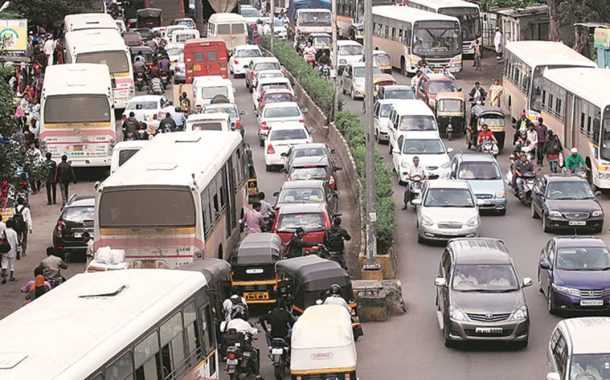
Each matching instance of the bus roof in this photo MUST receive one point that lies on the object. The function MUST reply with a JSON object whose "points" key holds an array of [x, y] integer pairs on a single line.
{"points": [[74, 329], [85, 21], [547, 53], [86, 41], [177, 159], [204, 42], [226, 17], [586, 83], [77, 78], [440, 4], [407, 14]]}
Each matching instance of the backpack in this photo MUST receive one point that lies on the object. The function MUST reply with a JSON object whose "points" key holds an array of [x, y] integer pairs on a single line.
{"points": [[334, 239], [5, 246], [19, 221]]}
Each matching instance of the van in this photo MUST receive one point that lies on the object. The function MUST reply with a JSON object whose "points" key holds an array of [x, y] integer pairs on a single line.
{"points": [[229, 27], [181, 36], [217, 121], [205, 56], [207, 87], [123, 151], [577, 349], [410, 116]]}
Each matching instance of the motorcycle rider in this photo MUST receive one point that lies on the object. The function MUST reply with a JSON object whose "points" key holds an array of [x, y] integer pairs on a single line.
{"points": [[334, 240], [139, 57], [164, 65], [281, 322], [167, 124], [242, 327], [297, 243], [521, 125], [414, 170], [485, 134], [477, 94], [52, 266], [334, 297], [521, 166], [231, 303], [130, 127], [309, 54], [324, 59], [574, 162]]}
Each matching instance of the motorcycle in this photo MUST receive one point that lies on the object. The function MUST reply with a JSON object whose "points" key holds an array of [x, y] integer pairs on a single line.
{"points": [[140, 81], [324, 71], [415, 185], [490, 147], [527, 184], [242, 358], [279, 354], [268, 219]]}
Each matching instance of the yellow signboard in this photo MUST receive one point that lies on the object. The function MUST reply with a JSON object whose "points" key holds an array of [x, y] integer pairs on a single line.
{"points": [[13, 35]]}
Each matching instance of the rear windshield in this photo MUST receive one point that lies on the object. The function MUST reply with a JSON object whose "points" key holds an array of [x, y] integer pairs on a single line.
{"points": [[135, 105], [126, 154], [301, 195], [210, 92], [277, 112], [298, 174], [116, 60], [209, 126], [276, 98], [288, 134], [275, 86], [78, 214], [308, 222], [83, 108], [266, 66], [248, 53]]}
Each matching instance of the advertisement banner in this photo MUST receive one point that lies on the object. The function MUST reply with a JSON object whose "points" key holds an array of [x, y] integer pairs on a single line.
{"points": [[601, 38], [13, 35]]}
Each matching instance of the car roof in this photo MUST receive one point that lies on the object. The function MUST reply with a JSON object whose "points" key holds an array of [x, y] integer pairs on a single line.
{"points": [[310, 161], [277, 91], [282, 105], [579, 241], [273, 80], [447, 184], [264, 59], [585, 333], [421, 135], [274, 71], [348, 43], [210, 79], [301, 208], [479, 251], [145, 98], [288, 125], [220, 105], [563, 178], [413, 107], [207, 116], [81, 201], [476, 157], [300, 184]]}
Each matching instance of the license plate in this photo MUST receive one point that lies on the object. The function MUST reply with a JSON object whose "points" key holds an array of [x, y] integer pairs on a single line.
{"points": [[592, 303], [77, 148], [277, 351], [483, 203], [577, 223], [256, 296], [232, 361], [78, 235], [488, 330]]}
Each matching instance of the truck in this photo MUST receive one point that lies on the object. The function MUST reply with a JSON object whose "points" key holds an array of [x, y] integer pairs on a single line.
{"points": [[309, 16]]}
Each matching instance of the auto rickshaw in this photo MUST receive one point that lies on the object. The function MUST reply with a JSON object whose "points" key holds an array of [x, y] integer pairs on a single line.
{"points": [[148, 17], [380, 80], [382, 60], [495, 119], [322, 42], [217, 272], [450, 109], [322, 344], [253, 267], [309, 278]]}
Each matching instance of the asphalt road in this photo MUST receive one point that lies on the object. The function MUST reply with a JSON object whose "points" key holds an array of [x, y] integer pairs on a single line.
{"points": [[410, 346]]}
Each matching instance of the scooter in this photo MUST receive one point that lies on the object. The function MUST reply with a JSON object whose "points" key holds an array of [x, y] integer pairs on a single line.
{"points": [[527, 184], [279, 354], [415, 185], [490, 147]]}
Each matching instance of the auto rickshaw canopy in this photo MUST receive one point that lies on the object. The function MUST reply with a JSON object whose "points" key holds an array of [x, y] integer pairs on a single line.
{"points": [[258, 248], [314, 274]]}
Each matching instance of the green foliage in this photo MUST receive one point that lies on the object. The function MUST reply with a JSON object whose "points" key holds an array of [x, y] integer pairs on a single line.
{"points": [[320, 90], [50, 13], [487, 4], [349, 125]]}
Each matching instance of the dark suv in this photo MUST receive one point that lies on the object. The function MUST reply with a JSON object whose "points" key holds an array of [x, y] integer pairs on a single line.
{"points": [[479, 296], [74, 224], [566, 203]]}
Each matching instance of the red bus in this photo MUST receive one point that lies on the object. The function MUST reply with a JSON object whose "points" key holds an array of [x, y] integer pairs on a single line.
{"points": [[205, 56]]}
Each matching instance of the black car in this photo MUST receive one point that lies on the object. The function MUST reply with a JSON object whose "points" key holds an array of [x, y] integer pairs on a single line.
{"points": [[479, 295], [566, 203], [75, 223]]}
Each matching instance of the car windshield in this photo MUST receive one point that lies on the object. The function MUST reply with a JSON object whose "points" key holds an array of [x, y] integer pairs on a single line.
{"points": [[301, 195], [248, 53], [436, 39], [419, 146], [590, 367], [314, 19], [437, 86], [479, 171], [267, 66], [399, 94], [270, 74], [417, 123], [449, 198], [307, 221], [281, 112], [381, 60], [207, 126], [584, 258], [569, 190], [274, 86], [287, 134], [212, 91], [484, 278], [78, 214], [310, 152], [350, 50], [249, 12], [359, 71], [279, 97], [136, 105], [308, 173], [449, 105], [384, 110]]}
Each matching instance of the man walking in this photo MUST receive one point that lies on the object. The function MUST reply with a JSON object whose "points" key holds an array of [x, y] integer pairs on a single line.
{"points": [[495, 93], [65, 175], [498, 44], [51, 182], [476, 46], [22, 224], [541, 131], [7, 260]]}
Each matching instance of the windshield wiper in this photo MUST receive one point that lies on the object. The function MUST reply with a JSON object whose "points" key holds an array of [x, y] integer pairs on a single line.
{"points": [[497, 290]]}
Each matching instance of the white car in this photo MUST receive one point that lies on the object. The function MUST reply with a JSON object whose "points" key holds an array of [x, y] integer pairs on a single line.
{"points": [[410, 115], [428, 147], [269, 74], [175, 53], [279, 141], [382, 123], [269, 83], [145, 106], [257, 64], [241, 58], [348, 52], [205, 88], [447, 209], [352, 79], [276, 114]]}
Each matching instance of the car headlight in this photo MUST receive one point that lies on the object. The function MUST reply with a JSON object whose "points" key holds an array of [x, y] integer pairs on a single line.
{"points": [[566, 290], [500, 194], [404, 163], [519, 314], [473, 222], [457, 315], [597, 213], [426, 221], [555, 214]]}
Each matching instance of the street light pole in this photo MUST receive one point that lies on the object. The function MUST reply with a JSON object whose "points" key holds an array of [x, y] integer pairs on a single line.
{"points": [[336, 63], [370, 145], [272, 23]]}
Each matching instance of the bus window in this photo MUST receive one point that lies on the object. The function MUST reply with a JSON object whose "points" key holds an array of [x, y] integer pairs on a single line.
{"points": [[83, 108], [172, 345], [193, 333], [146, 358], [121, 369]]}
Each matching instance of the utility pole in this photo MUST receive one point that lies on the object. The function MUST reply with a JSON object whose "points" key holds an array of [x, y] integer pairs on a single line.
{"points": [[335, 61], [272, 23], [370, 141]]}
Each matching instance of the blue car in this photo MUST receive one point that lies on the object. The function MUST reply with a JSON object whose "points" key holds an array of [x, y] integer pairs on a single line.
{"points": [[574, 275]]}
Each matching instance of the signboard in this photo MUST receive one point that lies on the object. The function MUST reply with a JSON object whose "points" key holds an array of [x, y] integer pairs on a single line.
{"points": [[14, 35], [601, 38]]}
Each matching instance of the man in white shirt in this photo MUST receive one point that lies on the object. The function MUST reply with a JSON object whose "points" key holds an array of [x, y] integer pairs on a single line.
{"points": [[48, 48], [7, 261], [498, 44], [23, 212], [414, 170]]}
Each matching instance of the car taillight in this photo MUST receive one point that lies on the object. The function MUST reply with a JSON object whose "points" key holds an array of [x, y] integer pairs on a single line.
{"points": [[270, 149], [237, 124], [61, 226], [236, 61], [301, 120], [264, 125], [231, 355]]}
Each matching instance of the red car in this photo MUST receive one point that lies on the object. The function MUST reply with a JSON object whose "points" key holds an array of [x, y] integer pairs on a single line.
{"points": [[313, 218], [431, 84]]}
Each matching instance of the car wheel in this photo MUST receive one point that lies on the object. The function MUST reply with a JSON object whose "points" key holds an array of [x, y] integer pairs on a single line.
{"points": [[545, 226], [533, 212], [550, 306], [352, 95], [502, 212]]}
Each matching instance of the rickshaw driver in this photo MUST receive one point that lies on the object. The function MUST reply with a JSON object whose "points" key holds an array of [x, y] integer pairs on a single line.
{"points": [[485, 134], [334, 297]]}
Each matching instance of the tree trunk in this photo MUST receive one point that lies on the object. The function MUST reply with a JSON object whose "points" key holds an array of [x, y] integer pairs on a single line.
{"points": [[554, 20]]}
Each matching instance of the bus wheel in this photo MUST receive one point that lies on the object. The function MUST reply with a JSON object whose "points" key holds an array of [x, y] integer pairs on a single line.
{"points": [[403, 66]]}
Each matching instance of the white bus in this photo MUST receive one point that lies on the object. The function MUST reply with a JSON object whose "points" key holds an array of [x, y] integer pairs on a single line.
{"points": [[86, 21], [76, 114], [229, 27], [182, 198], [524, 63], [409, 35], [131, 324], [575, 104], [350, 13], [107, 47], [465, 11]]}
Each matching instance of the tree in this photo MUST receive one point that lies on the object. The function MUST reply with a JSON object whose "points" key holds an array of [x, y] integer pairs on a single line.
{"points": [[50, 13]]}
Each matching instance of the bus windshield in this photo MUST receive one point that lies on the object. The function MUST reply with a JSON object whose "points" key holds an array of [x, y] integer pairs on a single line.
{"points": [[469, 20], [141, 208], [436, 39], [116, 60], [83, 108], [314, 19]]}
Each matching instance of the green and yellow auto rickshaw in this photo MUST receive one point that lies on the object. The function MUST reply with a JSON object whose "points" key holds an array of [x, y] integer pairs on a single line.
{"points": [[450, 112]]}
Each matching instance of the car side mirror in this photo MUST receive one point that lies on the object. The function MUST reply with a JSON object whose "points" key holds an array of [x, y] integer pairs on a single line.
{"points": [[416, 202], [526, 282], [545, 264], [304, 110], [440, 282], [597, 193], [276, 193], [553, 376]]}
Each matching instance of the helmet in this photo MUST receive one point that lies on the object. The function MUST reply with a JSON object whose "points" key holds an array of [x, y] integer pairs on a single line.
{"points": [[335, 289], [299, 230], [238, 311], [573, 150]]}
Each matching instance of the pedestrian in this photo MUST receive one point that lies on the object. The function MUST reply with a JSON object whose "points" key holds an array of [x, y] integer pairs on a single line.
{"points": [[167, 124], [51, 179], [553, 149], [498, 44], [22, 224], [521, 125], [65, 175], [254, 218], [48, 48], [476, 47], [7, 261], [541, 131], [495, 93], [185, 103]]}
